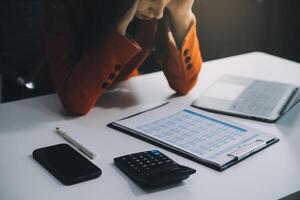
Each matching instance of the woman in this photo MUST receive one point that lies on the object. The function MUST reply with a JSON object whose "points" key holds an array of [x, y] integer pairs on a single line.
{"points": [[89, 45]]}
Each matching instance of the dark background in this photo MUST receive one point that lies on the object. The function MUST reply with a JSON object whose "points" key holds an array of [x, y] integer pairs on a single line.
{"points": [[237, 26], [225, 28]]}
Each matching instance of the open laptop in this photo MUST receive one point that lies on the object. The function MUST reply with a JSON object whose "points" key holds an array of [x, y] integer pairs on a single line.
{"points": [[250, 98]]}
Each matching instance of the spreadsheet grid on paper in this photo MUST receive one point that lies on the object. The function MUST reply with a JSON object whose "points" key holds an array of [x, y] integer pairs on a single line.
{"points": [[194, 132]]}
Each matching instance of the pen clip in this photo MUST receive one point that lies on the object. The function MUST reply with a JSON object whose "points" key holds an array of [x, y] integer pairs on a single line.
{"points": [[247, 149]]}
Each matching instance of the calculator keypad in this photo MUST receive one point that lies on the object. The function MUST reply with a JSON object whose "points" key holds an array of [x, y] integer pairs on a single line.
{"points": [[152, 168], [153, 161]]}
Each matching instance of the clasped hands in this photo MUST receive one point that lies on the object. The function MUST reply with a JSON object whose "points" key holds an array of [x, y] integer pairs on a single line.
{"points": [[154, 9]]}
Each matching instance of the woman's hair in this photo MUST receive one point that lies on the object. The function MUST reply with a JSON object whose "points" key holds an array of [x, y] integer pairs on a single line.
{"points": [[102, 17]]}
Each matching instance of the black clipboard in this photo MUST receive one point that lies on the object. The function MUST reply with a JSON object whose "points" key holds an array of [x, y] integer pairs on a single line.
{"points": [[238, 156]]}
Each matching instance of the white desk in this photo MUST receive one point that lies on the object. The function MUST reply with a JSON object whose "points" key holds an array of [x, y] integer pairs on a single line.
{"points": [[28, 124]]}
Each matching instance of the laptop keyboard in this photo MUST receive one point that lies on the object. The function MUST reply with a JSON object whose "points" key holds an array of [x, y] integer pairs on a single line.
{"points": [[260, 98]]}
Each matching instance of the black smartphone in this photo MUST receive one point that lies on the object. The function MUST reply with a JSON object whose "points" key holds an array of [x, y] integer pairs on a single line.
{"points": [[66, 164]]}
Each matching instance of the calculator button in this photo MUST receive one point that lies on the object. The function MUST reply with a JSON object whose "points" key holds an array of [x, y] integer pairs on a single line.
{"points": [[155, 152]]}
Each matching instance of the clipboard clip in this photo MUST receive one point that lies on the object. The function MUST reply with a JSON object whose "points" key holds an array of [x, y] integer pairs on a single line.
{"points": [[247, 149]]}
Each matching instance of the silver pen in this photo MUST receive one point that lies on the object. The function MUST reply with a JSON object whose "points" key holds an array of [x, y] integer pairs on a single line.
{"points": [[81, 148]]}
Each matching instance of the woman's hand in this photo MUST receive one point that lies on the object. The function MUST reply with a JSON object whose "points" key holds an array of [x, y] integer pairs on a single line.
{"points": [[128, 17], [182, 16], [180, 7]]}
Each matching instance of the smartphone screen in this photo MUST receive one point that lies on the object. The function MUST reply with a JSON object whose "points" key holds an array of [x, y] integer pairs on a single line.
{"points": [[66, 164]]}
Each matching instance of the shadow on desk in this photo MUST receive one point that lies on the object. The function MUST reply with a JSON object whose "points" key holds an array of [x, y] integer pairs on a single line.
{"points": [[289, 120], [117, 97], [32, 112], [123, 97], [294, 196], [139, 191], [36, 111]]}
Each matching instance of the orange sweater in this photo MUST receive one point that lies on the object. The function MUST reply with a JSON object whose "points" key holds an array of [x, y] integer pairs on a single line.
{"points": [[118, 58]]}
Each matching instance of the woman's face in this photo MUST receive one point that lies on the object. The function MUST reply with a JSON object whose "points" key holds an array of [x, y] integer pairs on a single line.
{"points": [[151, 9]]}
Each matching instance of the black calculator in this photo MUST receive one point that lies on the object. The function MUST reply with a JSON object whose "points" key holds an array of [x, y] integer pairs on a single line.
{"points": [[152, 168]]}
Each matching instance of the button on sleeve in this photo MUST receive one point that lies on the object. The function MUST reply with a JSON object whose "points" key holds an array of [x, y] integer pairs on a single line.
{"points": [[111, 76], [189, 66], [105, 85], [187, 59], [186, 52], [118, 67]]}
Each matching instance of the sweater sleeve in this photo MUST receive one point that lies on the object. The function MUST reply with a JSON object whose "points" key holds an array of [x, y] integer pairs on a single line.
{"points": [[79, 84], [182, 65]]}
